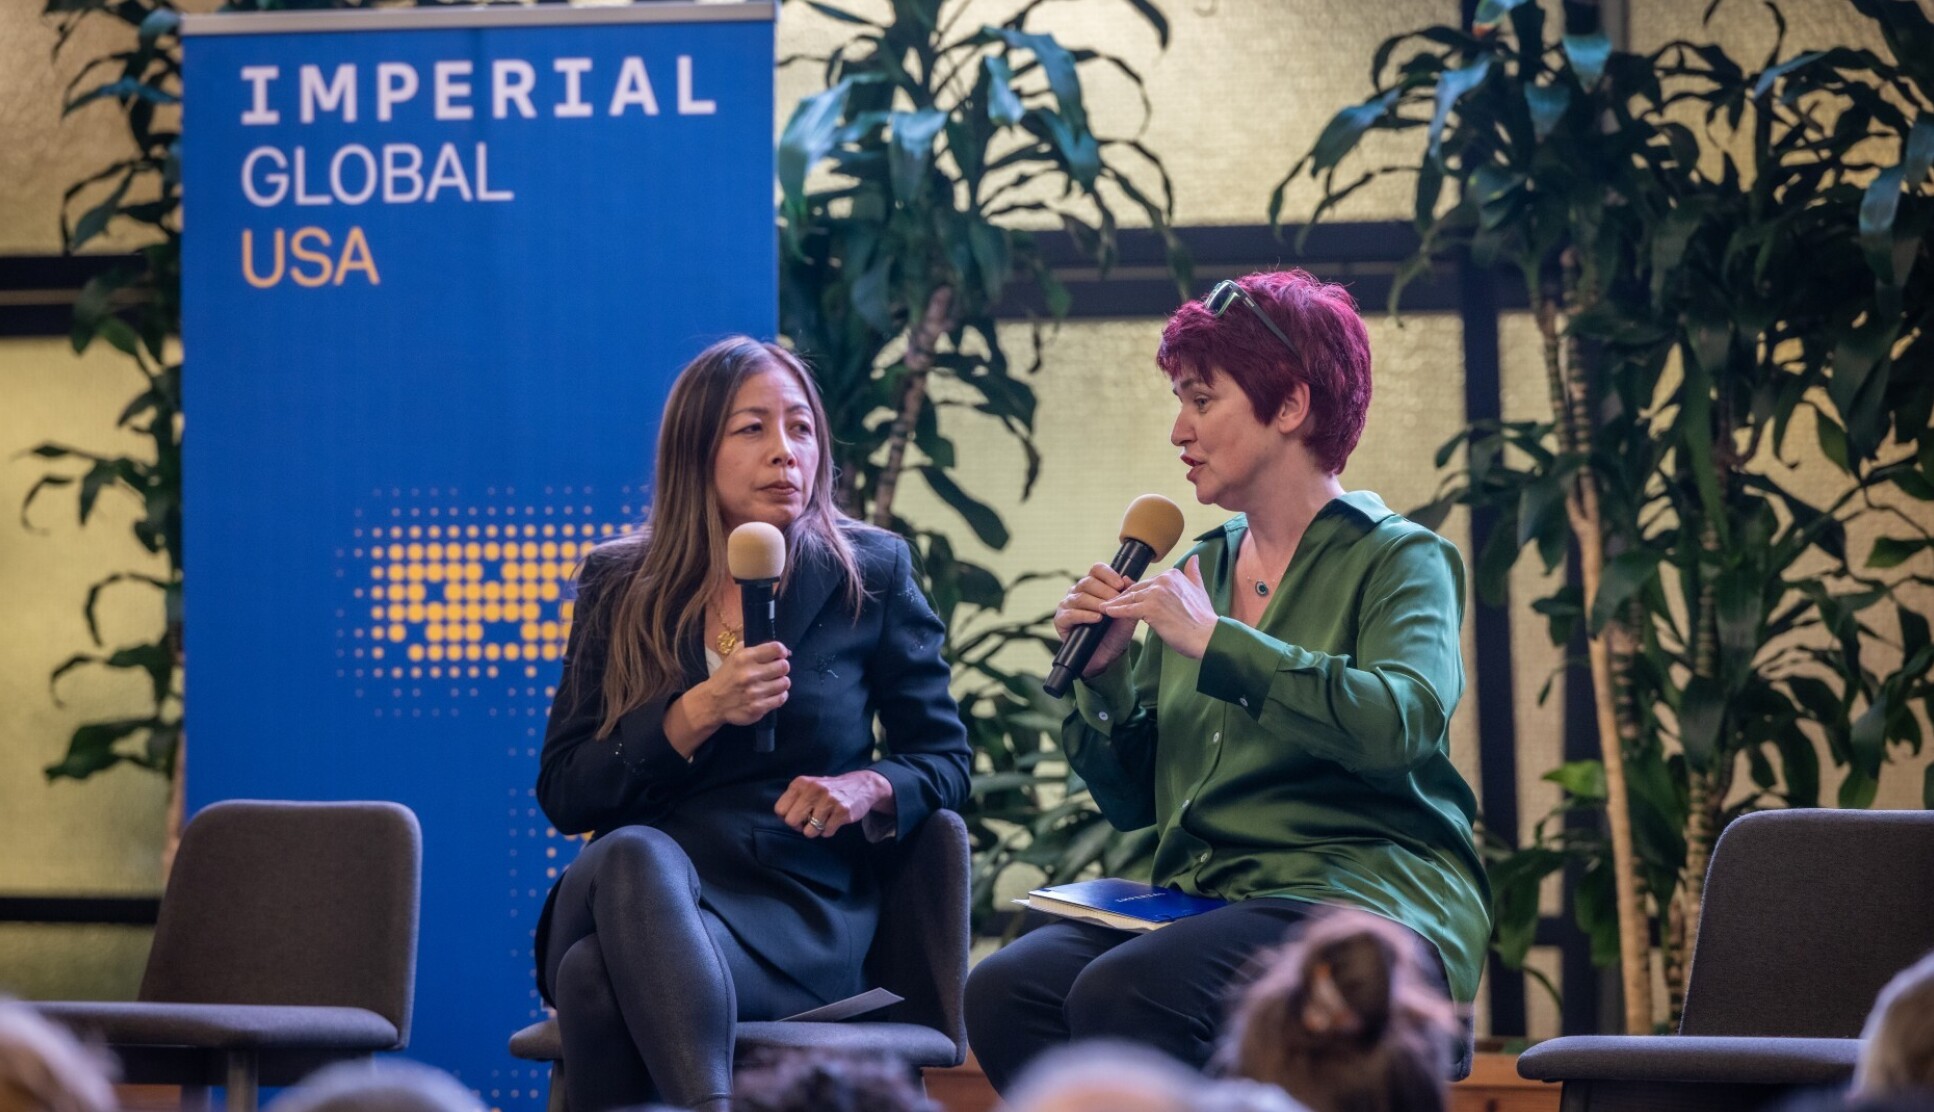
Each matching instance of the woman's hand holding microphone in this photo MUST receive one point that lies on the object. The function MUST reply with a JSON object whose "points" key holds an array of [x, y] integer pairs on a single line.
{"points": [[752, 681], [1175, 605], [748, 683]]}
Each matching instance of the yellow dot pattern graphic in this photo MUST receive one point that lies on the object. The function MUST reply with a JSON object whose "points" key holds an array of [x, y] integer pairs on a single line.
{"points": [[455, 598], [456, 604]]}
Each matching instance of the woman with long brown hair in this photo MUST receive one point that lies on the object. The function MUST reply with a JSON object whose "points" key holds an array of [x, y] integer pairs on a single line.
{"points": [[725, 884]]}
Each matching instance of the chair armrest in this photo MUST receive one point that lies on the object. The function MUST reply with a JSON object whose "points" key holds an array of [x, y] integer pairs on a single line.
{"points": [[922, 946], [1691, 1058]]}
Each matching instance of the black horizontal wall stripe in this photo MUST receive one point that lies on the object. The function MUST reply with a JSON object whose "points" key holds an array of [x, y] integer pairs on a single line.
{"points": [[137, 911], [37, 291]]}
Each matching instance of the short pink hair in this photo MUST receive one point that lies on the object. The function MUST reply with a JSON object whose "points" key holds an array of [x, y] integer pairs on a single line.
{"points": [[1332, 355]]}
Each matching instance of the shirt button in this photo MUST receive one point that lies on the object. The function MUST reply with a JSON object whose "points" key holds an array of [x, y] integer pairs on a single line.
{"points": [[1185, 804], [1244, 702], [1103, 715], [1217, 739], [1204, 859]]}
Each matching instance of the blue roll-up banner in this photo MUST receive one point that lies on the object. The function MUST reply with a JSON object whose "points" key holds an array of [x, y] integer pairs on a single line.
{"points": [[439, 269]]}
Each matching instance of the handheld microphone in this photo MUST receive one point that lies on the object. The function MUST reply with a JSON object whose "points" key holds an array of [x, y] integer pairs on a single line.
{"points": [[1149, 529], [755, 554]]}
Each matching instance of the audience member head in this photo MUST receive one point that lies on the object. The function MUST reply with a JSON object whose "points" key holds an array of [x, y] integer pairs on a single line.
{"points": [[1897, 1045], [1346, 1018], [1121, 1077], [43, 1068], [799, 1081], [380, 1085], [1329, 353]]}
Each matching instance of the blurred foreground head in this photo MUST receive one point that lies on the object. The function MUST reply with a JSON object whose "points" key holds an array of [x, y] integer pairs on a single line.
{"points": [[1897, 1046], [43, 1068], [1348, 1018], [1121, 1077], [801, 1081], [378, 1085]]}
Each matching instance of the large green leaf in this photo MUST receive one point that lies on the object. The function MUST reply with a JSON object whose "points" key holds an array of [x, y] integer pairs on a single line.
{"points": [[1546, 105], [1452, 87], [1800, 766], [1624, 576], [1339, 137], [95, 220], [1891, 552], [1003, 104], [1588, 55], [1702, 710], [1490, 13], [809, 134], [1773, 74], [980, 517], [1080, 151], [1868, 741], [91, 748], [1058, 63], [1738, 599], [1581, 779], [910, 154]]}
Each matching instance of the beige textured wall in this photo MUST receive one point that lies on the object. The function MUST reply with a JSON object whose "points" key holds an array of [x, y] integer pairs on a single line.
{"points": [[102, 836], [1241, 93]]}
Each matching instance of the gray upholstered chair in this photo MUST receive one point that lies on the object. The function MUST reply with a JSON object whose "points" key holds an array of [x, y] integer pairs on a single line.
{"points": [[1808, 913], [287, 940], [919, 952]]}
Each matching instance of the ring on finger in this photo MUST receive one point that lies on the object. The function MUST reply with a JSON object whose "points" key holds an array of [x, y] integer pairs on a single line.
{"points": [[814, 822]]}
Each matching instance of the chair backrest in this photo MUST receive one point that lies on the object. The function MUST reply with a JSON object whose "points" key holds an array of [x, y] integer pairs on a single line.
{"points": [[1808, 913], [920, 950], [293, 904]]}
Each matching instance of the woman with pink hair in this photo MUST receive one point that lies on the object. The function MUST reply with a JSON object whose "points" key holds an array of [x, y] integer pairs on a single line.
{"points": [[1284, 728]]}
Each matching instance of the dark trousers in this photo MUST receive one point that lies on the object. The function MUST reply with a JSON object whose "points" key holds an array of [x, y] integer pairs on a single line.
{"points": [[1169, 988], [649, 986]]}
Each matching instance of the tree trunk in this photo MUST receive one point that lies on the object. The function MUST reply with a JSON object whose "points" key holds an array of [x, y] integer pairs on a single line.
{"points": [[1673, 954], [1705, 794], [1570, 394], [936, 322]]}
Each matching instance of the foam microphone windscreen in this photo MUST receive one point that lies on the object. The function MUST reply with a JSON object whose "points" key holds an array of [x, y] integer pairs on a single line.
{"points": [[1155, 521], [756, 550]]}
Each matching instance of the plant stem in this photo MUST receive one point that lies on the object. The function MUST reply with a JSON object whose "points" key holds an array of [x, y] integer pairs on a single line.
{"points": [[936, 322], [1570, 395], [1703, 793]]}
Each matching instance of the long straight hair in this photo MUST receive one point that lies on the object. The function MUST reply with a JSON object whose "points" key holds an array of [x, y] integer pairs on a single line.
{"points": [[665, 570]]}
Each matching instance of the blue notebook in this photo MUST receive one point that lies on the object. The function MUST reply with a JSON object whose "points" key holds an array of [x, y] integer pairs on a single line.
{"points": [[1127, 905]]}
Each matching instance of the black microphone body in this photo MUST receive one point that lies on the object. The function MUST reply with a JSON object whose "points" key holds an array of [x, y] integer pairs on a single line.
{"points": [[759, 608], [1131, 560]]}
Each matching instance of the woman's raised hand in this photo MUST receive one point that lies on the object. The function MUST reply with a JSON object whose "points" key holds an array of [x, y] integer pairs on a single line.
{"points": [[748, 683], [1083, 605], [1175, 605]]}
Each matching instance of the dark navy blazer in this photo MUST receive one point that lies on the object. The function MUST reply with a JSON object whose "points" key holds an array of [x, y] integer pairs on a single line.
{"points": [[808, 906]]}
